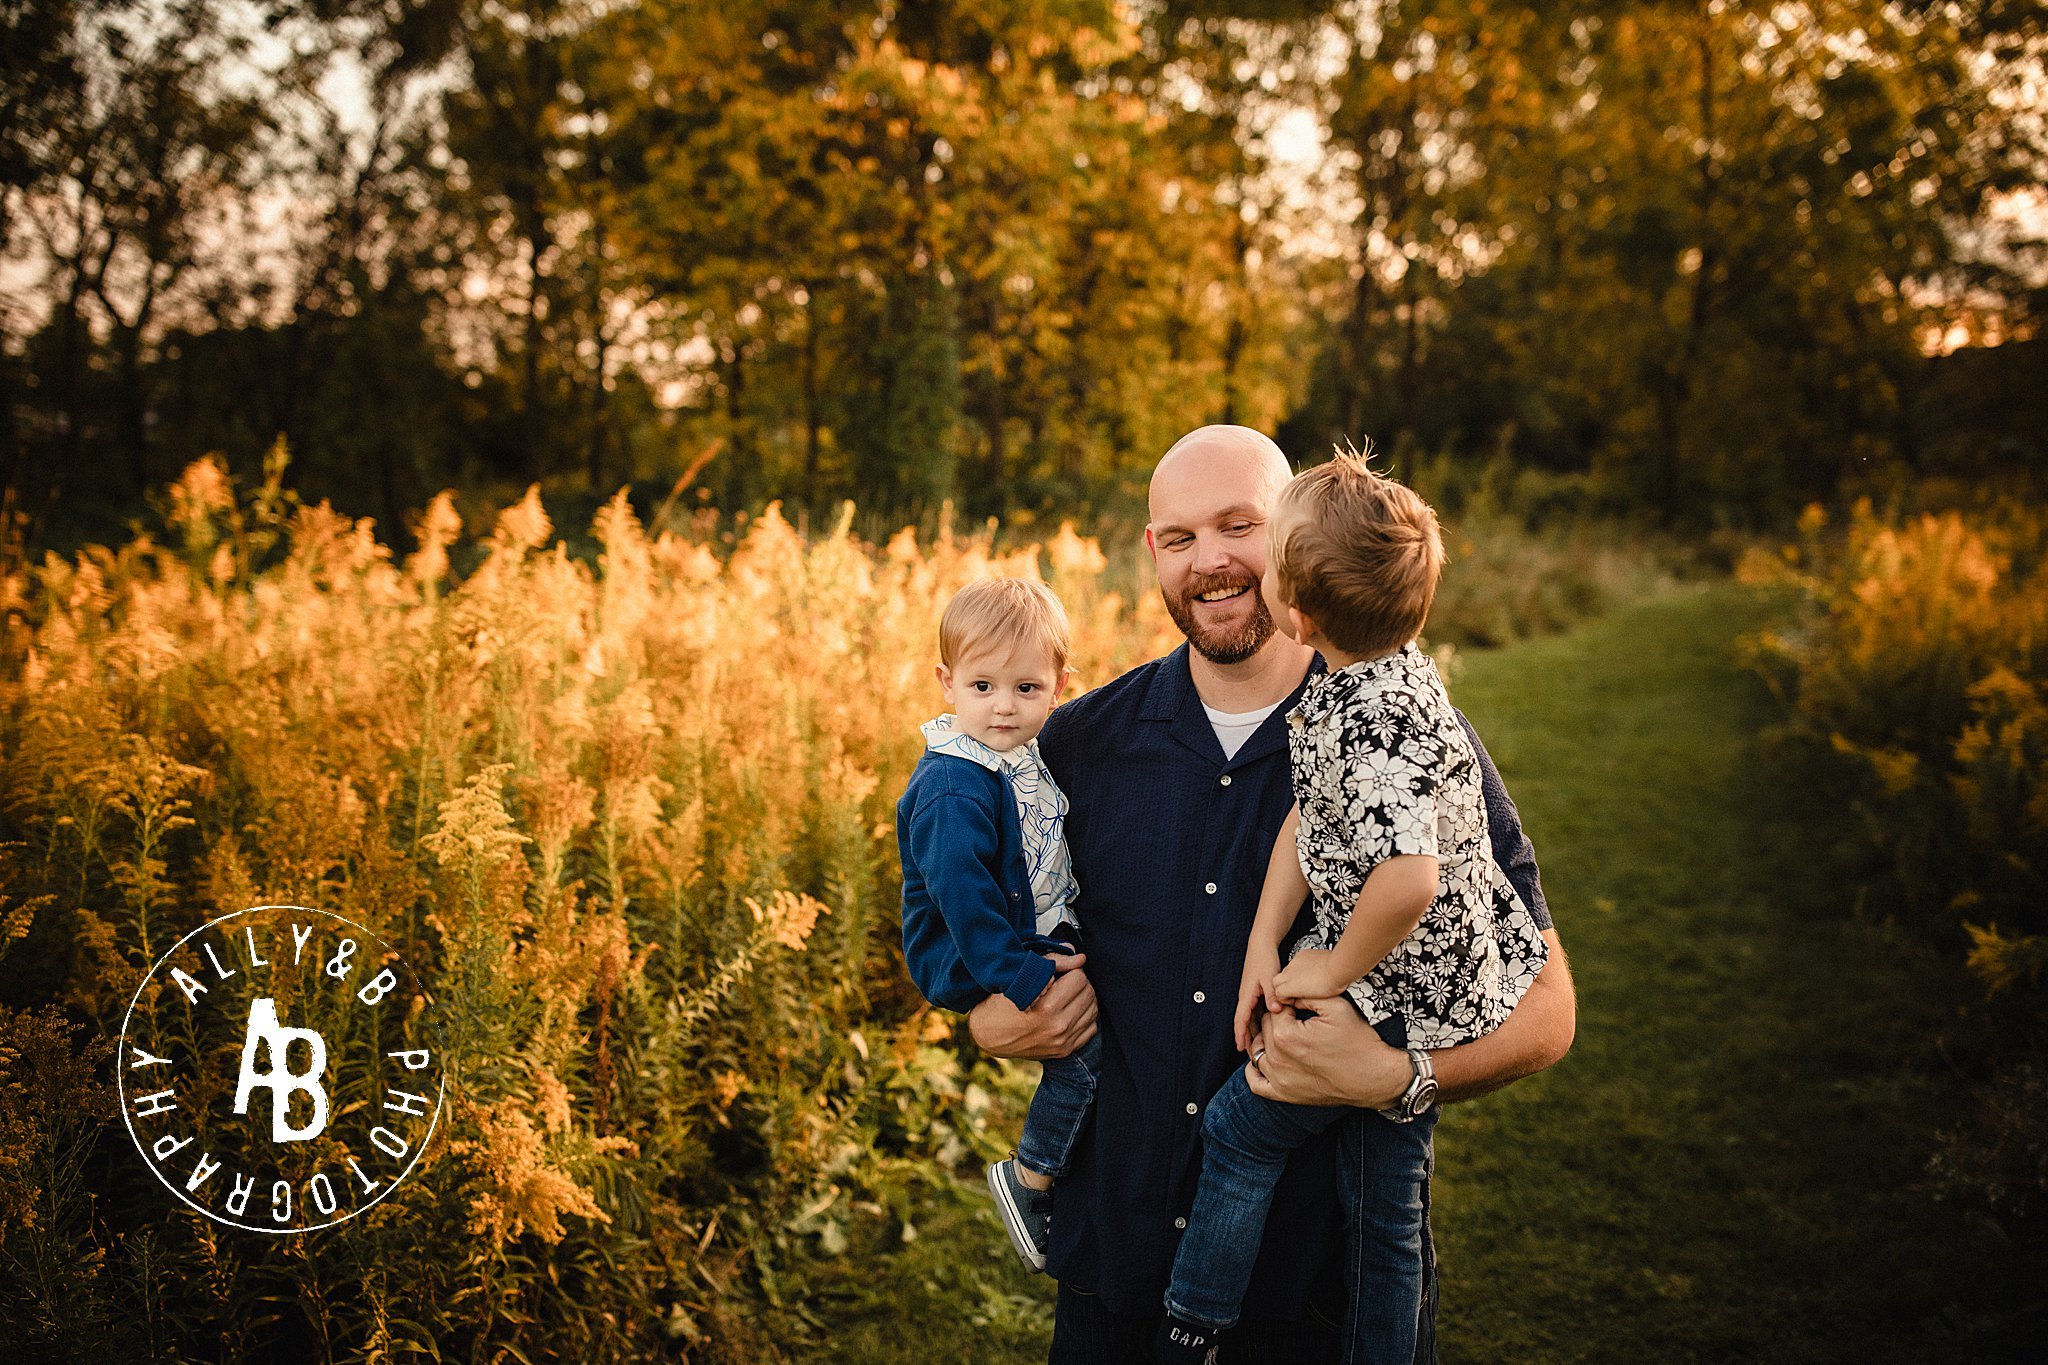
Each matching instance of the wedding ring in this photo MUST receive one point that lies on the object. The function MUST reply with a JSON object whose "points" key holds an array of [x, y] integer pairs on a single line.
{"points": [[1259, 1056]]}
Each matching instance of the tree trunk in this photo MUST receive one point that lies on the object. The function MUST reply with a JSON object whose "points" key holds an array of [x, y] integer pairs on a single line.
{"points": [[530, 423], [1237, 333], [735, 413], [600, 432], [1668, 464], [810, 378], [131, 407], [1400, 198], [1355, 351]]}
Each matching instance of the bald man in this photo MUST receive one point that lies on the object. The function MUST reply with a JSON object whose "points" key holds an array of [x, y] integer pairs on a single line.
{"points": [[1178, 777]]}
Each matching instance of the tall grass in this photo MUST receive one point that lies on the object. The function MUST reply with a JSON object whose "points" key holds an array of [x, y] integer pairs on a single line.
{"points": [[1917, 673], [631, 822]]}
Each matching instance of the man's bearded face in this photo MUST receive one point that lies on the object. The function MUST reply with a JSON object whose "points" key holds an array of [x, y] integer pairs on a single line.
{"points": [[1228, 641]]}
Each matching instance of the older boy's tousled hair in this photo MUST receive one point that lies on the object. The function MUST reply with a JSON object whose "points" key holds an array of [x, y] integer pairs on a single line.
{"points": [[1357, 553], [993, 613]]}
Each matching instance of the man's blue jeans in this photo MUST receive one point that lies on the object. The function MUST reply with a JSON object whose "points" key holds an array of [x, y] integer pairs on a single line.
{"points": [[1245, 1144], [1066, 1092]]}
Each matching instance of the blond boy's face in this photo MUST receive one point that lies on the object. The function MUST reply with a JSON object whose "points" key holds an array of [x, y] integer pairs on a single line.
{"points": [[1002, 696]]}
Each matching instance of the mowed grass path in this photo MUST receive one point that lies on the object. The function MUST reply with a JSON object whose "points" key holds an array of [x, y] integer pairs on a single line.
{"points": [[1731, 1164]]}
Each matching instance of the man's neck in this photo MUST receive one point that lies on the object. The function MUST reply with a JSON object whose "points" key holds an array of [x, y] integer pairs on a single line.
{"points": [[1265, 679]]}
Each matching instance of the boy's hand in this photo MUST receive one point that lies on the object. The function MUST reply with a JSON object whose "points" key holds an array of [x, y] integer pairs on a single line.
{"points": [[1255, 992], [1310, 976]]}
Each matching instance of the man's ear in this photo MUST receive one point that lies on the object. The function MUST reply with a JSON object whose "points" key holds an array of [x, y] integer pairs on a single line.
{"points": [[1151, 545]]}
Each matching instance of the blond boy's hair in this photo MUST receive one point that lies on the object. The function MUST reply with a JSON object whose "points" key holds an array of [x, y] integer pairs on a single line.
{"points": [[1357, 553], [994, 613]]}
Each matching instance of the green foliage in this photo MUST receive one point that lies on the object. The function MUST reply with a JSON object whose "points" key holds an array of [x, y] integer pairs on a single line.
{"points": [[1917, 682], [1999, 1157], [1627, 237], [1697, 254], [1531, 553], [1917, 665]]}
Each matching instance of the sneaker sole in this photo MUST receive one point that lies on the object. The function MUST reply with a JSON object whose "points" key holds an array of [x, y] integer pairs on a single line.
{"points": [[1013, 1219]]}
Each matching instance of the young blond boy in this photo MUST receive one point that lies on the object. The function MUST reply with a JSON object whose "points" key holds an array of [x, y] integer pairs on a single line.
{"points": [[987, 883]]}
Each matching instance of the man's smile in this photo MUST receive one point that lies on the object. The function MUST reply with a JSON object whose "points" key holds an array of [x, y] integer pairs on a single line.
{"points": [[1224, 594], [1223, 614]]}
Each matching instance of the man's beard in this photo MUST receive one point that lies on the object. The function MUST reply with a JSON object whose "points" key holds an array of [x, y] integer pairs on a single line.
{"points": [[1221, 644]]}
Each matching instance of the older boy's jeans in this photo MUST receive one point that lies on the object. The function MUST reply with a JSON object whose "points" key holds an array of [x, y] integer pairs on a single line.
{"points": [[1066, 1092], [1245, 1144]]}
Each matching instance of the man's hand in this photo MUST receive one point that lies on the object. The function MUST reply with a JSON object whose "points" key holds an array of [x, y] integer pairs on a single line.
{"points": [[1331, 1058], [1058, 1022], [1336, 1058]]}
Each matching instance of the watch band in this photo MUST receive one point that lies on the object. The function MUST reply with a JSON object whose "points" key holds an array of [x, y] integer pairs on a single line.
{"points": [[1420, 1096]]}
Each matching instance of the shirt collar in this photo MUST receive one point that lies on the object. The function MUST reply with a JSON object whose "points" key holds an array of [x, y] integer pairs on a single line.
{"points": [[1331, 691], [942, 735], [1171, 697], [1174, 680], [1170, 685]]}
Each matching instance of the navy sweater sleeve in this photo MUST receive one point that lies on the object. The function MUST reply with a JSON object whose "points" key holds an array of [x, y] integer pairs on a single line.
{"points": [[953, 838], [1511, 846]]}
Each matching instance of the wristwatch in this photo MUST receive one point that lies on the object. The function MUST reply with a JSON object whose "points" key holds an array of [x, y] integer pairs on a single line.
{"points": [[1420, 1096]]}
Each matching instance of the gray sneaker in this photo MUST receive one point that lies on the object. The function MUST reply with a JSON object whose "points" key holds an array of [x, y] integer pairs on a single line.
{"points": [[1027, 1213]]}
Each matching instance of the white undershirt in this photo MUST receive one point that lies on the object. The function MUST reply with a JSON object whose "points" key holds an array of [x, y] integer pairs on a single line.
{"points": [[1232, 730]]}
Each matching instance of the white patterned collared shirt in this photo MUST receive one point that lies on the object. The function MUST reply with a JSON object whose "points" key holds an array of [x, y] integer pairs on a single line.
{"points": [[1382, 768], [1041, 813]]}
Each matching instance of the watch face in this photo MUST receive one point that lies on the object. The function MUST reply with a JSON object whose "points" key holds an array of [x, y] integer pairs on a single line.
{"points": [[1425, 1096]]}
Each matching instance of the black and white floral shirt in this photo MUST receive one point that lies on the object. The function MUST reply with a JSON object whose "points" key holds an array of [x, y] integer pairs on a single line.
{"points": [[1382, 768]]}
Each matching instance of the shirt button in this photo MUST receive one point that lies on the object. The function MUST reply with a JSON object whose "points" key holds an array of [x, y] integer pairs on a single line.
{"points": [[1180, 1222], [1210, 888], [1199, 997], [1224, 780], [1192, 1107]]}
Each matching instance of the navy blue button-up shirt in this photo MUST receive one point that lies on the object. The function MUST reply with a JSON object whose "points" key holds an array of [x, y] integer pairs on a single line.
{"points": [[1170, 843]]}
